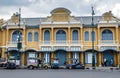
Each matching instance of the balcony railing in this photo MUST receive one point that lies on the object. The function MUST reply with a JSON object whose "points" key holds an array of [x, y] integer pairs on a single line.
{"points": [[108, 41], [61, 42], [12, 44], [46, 42], [75, 42]]}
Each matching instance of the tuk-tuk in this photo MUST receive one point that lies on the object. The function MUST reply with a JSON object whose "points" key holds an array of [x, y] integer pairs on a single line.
{"points": [[75, 65], [55, 64], [12, 63]]}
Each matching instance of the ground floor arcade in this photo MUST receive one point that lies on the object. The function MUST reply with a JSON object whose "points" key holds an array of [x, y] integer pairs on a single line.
{"points": [[85, 57]]}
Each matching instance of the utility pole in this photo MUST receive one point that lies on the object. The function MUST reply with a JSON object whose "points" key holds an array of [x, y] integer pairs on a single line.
{"points": [[19, 43], [93, 53]]}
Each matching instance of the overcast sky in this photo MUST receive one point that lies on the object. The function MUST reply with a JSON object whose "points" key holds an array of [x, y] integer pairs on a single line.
{"points": [[42, 8]]}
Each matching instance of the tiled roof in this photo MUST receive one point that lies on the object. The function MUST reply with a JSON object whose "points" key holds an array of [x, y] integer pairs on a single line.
{"points": [[87, 20], [31, 21], [32, 26]]}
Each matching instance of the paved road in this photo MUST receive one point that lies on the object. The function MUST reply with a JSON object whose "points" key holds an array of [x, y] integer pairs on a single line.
{"points": [[61, 73]]}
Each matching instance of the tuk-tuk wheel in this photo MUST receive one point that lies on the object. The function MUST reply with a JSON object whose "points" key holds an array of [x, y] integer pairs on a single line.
{"points": [[31, 67]]}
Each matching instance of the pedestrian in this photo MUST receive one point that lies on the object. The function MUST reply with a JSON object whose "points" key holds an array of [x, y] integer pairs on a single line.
{"points": [[111, 62], [105, 62], [39, 62]]}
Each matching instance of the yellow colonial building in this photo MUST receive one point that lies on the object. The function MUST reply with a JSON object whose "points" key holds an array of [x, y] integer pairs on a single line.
{"points": [[63, 36]]}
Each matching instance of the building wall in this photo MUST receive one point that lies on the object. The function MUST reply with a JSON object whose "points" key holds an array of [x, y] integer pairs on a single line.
{"points": [[60, 20]]}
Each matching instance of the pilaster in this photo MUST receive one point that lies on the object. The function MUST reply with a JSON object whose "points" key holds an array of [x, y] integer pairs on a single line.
{"points": [[69, 36], [69, 57], [118, 58], [40, 55], [23, 59], [82, 57], [98, 36], [52, 56], [3, 53], [24, 38], [40, 35], [81, 35], [7, 36], [52, 34], [117, 34]]}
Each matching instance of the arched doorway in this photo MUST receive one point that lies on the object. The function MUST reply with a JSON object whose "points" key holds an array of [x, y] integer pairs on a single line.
{"points": [[31, 57], [61, 55], [89, 57], [108, 56]]}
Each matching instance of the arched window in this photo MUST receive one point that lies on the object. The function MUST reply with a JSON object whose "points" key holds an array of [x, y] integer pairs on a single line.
{"points": [[93, 35], [47, 36], [75, 35], [36, 36], [107, 35], [86, 36], [15, 36], [30, 36], [61, 36]]}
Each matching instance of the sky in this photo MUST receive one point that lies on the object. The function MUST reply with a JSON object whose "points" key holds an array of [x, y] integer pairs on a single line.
{"points": [[42, 8]]}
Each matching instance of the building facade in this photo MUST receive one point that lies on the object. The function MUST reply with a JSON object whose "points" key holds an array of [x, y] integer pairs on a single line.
{"points": [[63, 36]]}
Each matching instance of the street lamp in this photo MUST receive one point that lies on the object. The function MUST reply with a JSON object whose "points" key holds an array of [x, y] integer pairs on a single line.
{"points": [[93, 53], [19, 43]]}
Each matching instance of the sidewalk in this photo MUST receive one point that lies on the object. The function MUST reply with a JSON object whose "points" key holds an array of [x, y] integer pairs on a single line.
{"points": [[104, 68]]}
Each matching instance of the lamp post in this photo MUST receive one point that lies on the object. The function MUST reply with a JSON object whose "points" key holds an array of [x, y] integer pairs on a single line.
{"points": [[19, 44], [93, 53]]}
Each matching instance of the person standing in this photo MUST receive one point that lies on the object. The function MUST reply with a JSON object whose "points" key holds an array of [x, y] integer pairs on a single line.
{"points": [[105, 62], [111, 62]]}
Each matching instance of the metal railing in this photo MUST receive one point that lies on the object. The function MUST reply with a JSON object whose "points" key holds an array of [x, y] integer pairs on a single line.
{"points": [[75, 42], [108, 41], [13, 42], [61, 42]]}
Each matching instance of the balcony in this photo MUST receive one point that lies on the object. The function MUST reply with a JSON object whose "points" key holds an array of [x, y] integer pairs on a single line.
{"points": [[108, 43], [61, 43], [13, 44], [45, 43]]}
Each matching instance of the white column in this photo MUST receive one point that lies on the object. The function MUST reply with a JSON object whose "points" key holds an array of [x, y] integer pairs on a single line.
{"points": [[76, 55], [46, 60], [47, 57]]}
